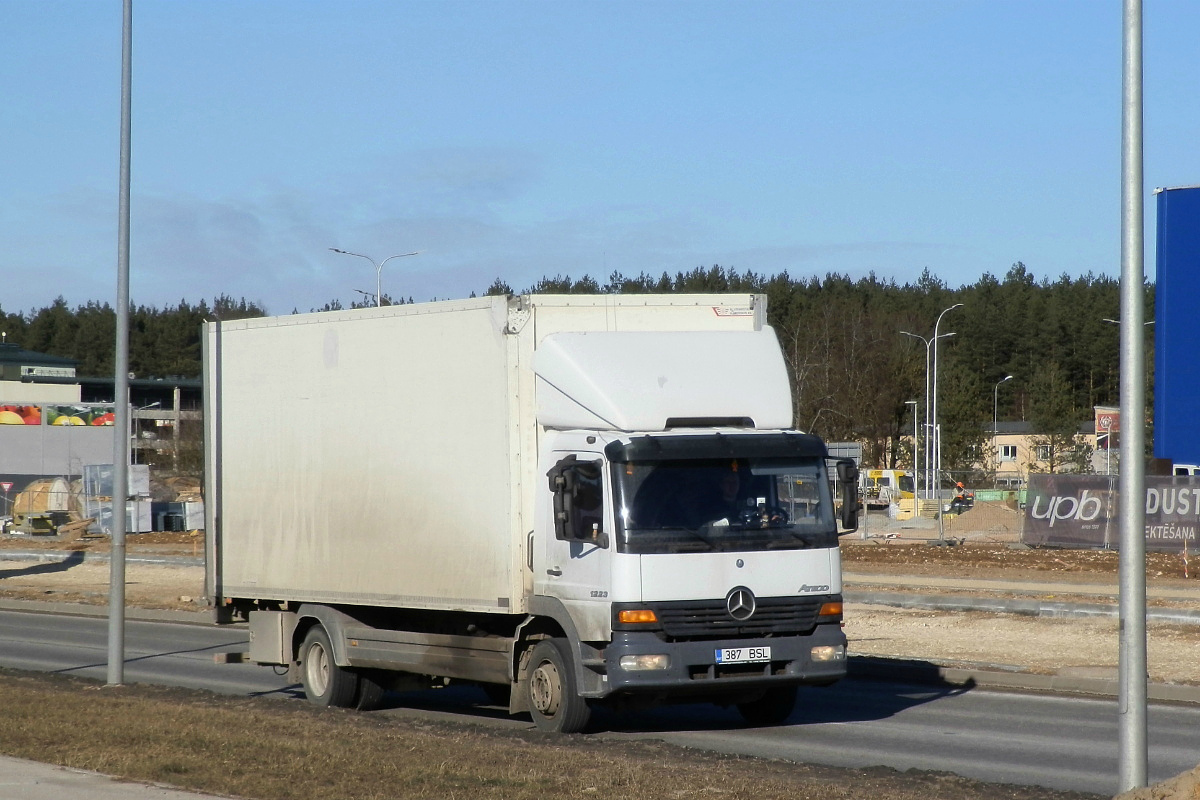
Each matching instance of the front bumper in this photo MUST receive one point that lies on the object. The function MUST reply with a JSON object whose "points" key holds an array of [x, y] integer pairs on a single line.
{"points": [[693, 667]]}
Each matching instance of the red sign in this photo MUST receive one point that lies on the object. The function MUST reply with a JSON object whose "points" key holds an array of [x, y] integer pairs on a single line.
{"points": [[6, 485], [1108, 420]]}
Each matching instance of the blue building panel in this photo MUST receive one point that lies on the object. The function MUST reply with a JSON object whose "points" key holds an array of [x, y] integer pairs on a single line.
{"points": [[1177, 326]]}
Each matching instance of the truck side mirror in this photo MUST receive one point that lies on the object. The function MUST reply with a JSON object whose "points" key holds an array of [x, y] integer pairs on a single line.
{"points": [[847, 472], [578, 494]]}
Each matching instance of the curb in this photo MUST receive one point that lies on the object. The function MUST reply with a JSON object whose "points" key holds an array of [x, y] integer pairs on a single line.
{"points": [[1002, 605], [882, 668], [132, 613], [82, 556]]}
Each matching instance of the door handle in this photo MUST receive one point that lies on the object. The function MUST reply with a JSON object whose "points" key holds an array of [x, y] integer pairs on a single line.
{"points": [[555, 571]]}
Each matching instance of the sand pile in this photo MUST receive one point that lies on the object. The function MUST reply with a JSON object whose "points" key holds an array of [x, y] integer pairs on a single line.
{"points": [[1181, 787]]}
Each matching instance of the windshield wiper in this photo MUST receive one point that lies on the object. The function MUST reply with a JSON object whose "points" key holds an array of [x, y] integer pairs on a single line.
{"points": [[806, 539], [672, 538]]}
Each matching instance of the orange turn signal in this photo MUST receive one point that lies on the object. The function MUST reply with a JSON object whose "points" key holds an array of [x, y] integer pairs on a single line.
{"points": [[637, 615], [830, 610]]}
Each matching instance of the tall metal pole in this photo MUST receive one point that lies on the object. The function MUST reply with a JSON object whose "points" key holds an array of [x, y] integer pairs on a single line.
{"points": [[937, 432], [996, 418], [1132, 677], [916, 472], [116, 581], [928, 424], [925, 462], [925, 421]]}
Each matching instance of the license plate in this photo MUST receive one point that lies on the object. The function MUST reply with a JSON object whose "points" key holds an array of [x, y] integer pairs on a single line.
{"points": [[743, 655]]}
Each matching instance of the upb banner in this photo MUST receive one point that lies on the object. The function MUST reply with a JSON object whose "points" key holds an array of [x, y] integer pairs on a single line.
{"points": [[1083, 511]]}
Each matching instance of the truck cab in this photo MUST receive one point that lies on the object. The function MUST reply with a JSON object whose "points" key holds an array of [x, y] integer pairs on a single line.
{"points": [[692, 564]]}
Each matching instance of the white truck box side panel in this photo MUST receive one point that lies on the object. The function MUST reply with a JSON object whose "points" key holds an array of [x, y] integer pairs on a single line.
{"points": [[365, 458], [637, 380]]}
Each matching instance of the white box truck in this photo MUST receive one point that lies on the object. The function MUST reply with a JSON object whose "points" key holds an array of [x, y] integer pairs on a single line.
{"points": [[568, 500]]}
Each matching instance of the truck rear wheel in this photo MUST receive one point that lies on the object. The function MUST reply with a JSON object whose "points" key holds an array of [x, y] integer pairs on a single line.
{"points": [[372, 686], [325, 683], [773, 708], [554, 701]]}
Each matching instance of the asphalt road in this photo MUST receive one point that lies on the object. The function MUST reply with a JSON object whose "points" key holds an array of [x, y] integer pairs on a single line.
{"points": [[1055, 741]]}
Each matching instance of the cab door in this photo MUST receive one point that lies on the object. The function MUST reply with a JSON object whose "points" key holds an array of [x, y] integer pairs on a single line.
{"points": [[573, 562]]}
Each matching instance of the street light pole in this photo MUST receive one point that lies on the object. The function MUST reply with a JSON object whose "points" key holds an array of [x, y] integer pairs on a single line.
{"points": [[928, 426], [996, 418], [916, 473], [378, 269], [1132, 749], [937, 430], [925, 463], [116, 574]]}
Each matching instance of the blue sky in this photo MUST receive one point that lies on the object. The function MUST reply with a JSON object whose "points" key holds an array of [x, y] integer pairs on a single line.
{"points": [[521, 139]]}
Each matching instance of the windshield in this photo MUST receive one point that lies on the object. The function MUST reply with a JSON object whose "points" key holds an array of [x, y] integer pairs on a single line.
{"points": [[739, 504]]}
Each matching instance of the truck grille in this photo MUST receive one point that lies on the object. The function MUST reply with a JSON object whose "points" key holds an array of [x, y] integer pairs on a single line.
{"points": [[774, 615]]}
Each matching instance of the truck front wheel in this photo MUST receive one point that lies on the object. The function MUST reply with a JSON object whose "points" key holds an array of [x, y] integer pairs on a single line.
{"points": [[325, 683], [554, 702]]}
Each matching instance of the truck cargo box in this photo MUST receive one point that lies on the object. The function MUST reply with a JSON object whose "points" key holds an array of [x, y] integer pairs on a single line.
{"points": [[377, 456]]}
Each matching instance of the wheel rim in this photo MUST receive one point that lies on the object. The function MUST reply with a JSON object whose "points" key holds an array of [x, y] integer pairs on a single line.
{"points": [[317, 668], [545, 689]]}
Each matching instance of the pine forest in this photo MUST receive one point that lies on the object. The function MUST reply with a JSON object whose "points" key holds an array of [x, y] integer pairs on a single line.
{"points": [[857, 350]]}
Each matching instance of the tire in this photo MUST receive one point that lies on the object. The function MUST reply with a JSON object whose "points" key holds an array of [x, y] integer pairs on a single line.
{"points": [[372, 686], [325, 683], [554, 701], [773, 708]]}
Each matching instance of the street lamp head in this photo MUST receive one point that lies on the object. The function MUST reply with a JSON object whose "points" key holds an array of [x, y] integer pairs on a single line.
{"points": [[378, 269], [1006, 378]]}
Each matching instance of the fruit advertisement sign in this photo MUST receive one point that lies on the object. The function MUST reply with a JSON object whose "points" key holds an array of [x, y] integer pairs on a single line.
{"points": [[75, 414]]}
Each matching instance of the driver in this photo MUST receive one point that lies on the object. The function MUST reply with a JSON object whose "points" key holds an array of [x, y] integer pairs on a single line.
{"points": [[729, 489], [740, 509]]}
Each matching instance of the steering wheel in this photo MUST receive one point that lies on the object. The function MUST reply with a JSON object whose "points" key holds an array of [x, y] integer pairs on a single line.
{"points": [[763, 517]]}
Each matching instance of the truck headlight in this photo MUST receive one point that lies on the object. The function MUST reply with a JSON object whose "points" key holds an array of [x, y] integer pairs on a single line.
{"points": [[828, 652], [645, 662]]}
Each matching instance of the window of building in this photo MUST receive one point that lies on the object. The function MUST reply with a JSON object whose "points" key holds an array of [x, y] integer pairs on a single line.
{"points": [[1008, 452], [1043, 452]]}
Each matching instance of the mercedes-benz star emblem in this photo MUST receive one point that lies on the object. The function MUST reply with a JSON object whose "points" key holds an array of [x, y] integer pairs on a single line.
{"points": [[740, 603]]}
